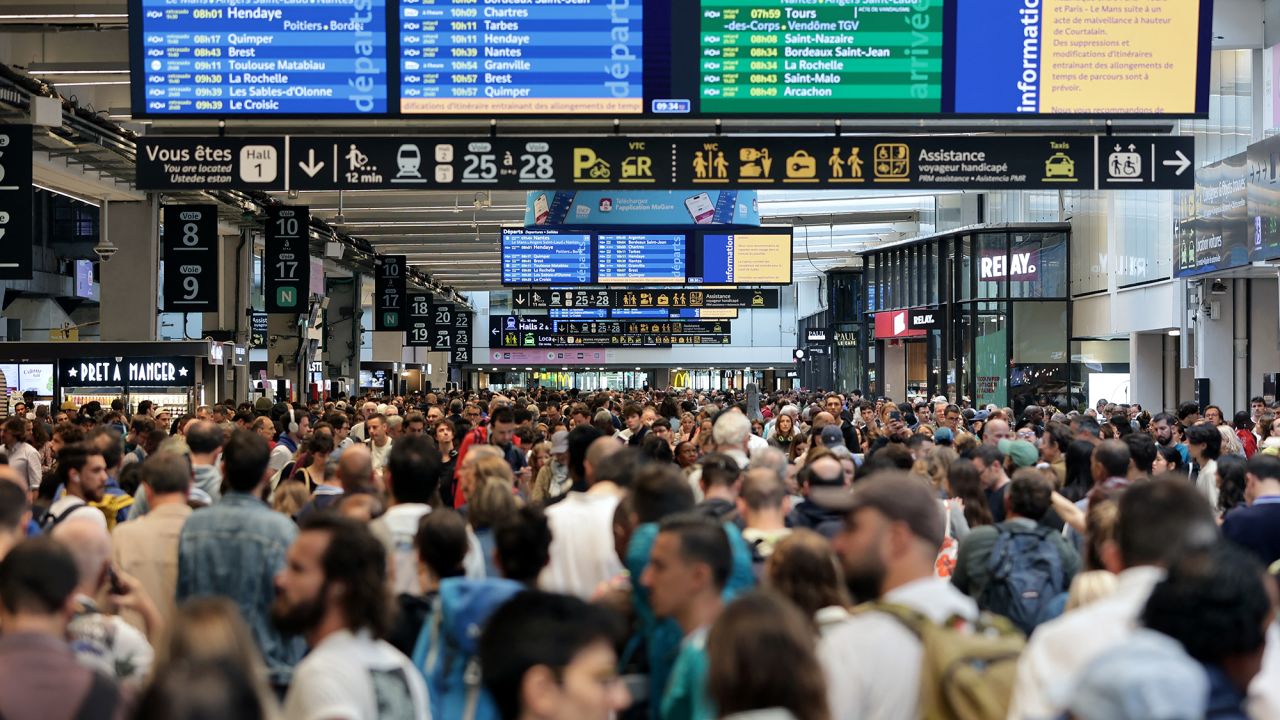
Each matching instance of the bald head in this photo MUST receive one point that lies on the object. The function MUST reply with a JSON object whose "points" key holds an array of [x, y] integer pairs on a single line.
{"points": [[90, 546], [995, 431], [355, 470], [822, 420], [597, 454]]}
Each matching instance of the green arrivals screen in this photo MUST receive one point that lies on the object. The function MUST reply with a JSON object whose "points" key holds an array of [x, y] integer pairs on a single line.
{"points": [[821, 56]]}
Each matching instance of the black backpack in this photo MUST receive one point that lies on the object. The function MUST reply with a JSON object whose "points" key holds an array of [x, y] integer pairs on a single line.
{"points": [[1026, 575]]}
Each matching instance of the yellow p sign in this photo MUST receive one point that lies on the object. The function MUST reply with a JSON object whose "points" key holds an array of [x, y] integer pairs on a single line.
{"points": [[589, 167]]}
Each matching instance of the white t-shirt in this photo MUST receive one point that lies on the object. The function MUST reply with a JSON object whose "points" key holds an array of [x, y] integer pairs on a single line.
{"points": [[582, 552], [354, 677], [401, 522], [84, 511], [380, 455]]}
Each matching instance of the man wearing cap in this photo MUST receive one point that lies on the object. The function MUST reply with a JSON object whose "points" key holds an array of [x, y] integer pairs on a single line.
{"points": [[887, 544], [831, 436]]}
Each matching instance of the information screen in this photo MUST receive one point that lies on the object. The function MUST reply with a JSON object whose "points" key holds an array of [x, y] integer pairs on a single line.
{"points": [[505, 57], [745, 259], [546, 257], [661, 58], [268, 57], [641, 259], [864, 56]]}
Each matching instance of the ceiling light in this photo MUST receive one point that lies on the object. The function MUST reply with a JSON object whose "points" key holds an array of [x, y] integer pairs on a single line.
{"points": [[1175, 333]]}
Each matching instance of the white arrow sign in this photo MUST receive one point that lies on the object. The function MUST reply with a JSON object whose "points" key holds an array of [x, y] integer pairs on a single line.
{"points": [[311, 167], [1182, 163]]}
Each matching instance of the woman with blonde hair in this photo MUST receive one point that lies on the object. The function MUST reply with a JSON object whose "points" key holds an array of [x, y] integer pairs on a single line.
{"points": [[211, 630], [491, 503]]}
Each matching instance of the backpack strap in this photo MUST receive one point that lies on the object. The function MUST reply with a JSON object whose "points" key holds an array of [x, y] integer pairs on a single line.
{"points": [[51, 521], [911, 619], [101, 700]]}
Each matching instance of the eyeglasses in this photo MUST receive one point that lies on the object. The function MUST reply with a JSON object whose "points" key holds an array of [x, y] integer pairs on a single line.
{"points": [[1027, 435]]}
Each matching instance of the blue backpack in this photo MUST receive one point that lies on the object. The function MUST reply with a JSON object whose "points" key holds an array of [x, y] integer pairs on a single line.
{"points": [[1026, 576], [447, 645]]}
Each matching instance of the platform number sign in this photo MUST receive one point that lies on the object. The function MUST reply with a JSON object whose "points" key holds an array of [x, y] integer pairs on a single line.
{"points": [[442, 323], [418, 332], [460, 354], [389, 293], [15, 203], [191, 258], [287, 260]]}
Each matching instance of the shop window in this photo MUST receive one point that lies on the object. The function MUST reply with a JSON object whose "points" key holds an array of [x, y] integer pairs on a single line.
{"points": [[1039, 368], [1038, 265], [991, 354], [965, 256], [993, 264]]}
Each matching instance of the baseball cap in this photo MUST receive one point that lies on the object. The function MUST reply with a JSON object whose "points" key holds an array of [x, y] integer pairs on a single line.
{"points": [[1024, 454], [560, 442], [340, 405], [943, 436], [831, 435], [980, 416], [897, 495], [1149, 676]]}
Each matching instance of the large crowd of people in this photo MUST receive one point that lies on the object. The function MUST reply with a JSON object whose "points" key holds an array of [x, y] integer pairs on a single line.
{"points": [[667, 554]]}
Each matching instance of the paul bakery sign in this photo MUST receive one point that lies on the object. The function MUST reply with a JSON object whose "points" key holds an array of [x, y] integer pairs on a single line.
{"points": [[127, 373], [1015, 266]]}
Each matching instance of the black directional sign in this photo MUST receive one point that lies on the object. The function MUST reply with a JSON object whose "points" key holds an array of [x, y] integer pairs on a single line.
{"points": [[389, 295], [511, 331], [418, 332], [463, 327], [258, 330], [191, 163], [858, 162], [190, 258], [287, 260], [15, 203], [443, 320], [676, 298]]}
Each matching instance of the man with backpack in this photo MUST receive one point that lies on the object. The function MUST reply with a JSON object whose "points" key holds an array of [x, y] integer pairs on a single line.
{"points": [[877, 662], [82, 473], [1017, 568]]}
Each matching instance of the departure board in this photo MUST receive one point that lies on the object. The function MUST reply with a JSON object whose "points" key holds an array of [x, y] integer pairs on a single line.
{"points": [[545, 257], [268, 57], [745, 259], [853, 56], [505, 57], [641, 259]]}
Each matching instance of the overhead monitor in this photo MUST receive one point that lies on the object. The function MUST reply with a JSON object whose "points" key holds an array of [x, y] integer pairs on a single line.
{"points": [[756, 257], [546, 257], [670, 58], [641, 259]]}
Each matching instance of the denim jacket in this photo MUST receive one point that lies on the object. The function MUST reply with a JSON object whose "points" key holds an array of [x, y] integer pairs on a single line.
{"points": [[234, 549]]}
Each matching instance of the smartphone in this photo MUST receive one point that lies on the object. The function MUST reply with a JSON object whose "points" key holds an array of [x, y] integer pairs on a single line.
{"points": [[541, 210], [700, 208], [895, 417], [117, 587]]}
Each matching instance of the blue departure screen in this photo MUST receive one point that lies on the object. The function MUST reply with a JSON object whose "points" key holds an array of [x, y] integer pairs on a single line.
{"points": [[545, 257], [641, 259], [281, 57], [504, 57], [578, 314]]}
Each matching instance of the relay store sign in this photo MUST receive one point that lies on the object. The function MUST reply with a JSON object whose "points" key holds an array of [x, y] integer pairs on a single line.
{"points": [[924, 319], [895, 324], [1015, 266], [127, 373]]}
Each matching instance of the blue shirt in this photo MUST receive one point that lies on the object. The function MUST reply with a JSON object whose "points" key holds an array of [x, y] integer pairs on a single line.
{"points": [[1256, 528], [235, 549]]}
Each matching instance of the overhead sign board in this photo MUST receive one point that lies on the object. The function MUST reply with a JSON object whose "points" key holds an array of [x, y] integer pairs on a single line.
{"points": [[418, 332], [286, 262], [641, 207], [924, 319], [463, 329], [634, 58], [737, 298], [15, 203], [1215, 232], [511, 331], [895, 324], [127, 372], [258, 330], [211, 163], [443, 319], [389, 293], [817, 335], [720, 163], [191, 277]]}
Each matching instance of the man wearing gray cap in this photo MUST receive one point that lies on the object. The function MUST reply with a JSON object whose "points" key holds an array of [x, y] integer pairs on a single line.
{"points": [[553, 479], [893, 527]]}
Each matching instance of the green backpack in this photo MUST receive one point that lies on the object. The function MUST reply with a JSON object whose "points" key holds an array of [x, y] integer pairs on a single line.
{"points": [[969, 666]]}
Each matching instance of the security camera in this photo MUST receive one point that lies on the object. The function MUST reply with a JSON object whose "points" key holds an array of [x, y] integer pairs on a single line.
{"points": [[105, 250]]}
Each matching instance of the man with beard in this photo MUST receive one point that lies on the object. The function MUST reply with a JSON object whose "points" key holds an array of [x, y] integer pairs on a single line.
{"points": [[332, 591], [82, 472], [889, 542]]}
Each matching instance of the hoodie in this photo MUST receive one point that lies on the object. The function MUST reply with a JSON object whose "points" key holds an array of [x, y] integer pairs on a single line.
{"points": [[813, 516]]}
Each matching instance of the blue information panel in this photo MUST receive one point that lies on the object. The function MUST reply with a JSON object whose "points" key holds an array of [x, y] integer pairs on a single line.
{"points": [[504, 57], [268, 57], [545, 257], [746, 258], [641, 259]]}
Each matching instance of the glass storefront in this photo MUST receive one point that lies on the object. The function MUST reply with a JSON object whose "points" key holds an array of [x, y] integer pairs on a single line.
{"points": [[1000, 298]]}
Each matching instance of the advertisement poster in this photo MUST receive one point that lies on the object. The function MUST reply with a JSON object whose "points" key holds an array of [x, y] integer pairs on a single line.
{"points": [[1216, 232], [651, 207]]}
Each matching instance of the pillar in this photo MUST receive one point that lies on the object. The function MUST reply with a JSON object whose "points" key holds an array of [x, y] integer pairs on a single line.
{"points": [[1146, 370], [130, 279], [1214, 345], [231, 321], [342, 328]]}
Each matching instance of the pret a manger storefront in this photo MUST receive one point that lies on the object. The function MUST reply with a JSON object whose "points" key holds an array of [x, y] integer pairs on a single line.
{"points": [[982, 312]]}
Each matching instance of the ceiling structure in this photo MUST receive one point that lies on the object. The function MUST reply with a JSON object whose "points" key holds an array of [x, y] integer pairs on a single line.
{"points": [[80, 48]]}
